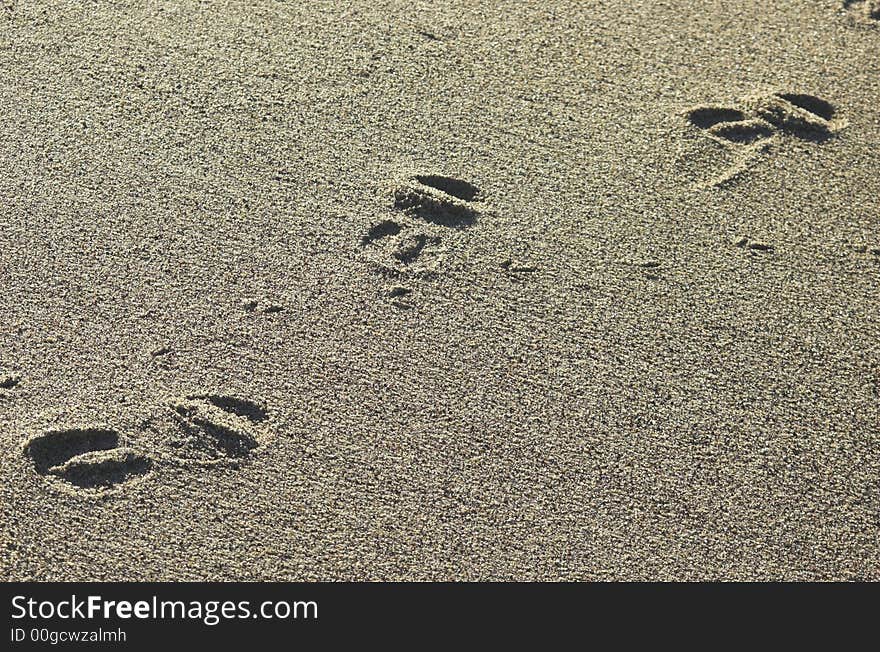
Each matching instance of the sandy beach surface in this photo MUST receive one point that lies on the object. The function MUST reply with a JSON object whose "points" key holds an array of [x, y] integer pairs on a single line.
{"points": [[556, 290]]}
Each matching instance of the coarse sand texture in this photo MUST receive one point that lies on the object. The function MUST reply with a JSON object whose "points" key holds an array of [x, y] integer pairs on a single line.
{"points": [[468, 290]]}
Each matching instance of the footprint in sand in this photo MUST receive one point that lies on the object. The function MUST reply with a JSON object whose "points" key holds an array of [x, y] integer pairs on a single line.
{"points": [[199, 430], [207, 429], [398, 296], [441, 200], [8, 382], [397, 248], [431, 212], [89, 459], [867, 11], [384, 229], [749, 130]]}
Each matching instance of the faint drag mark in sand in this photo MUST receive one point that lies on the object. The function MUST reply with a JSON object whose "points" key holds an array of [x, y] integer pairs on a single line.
{"points": [[264, 306], [863, 11], [514, 266], [872, 253], [431, 212], [650, 268], [207, 430], [86, 460], [750, 130], [161, 350], [754, 246], [284, 175]]}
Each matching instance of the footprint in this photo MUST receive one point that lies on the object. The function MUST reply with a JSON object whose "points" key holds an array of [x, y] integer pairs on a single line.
{"points": [[399, 296], [399, 250], [743, 132], [865, 10], [384, 229], [446, 201], [749, 130], [804, 116], [208, 429], [706, 117], [430, 210], [8, 381], [86, 458], [409, 247]]}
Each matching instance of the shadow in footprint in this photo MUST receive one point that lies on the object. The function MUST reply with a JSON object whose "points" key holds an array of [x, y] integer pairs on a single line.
{"points": [[238, 406], [9, 382], [705, 117], [91, 471], [815, 105], [410, 248], [450, 185], [213, 437], [743, 132], [804, 116], [209, 428], [383, 229], [85, 457], [439, 199], [866, 9]]}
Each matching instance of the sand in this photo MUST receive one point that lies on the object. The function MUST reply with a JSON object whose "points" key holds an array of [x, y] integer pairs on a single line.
{"points": [[554, 290]]}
